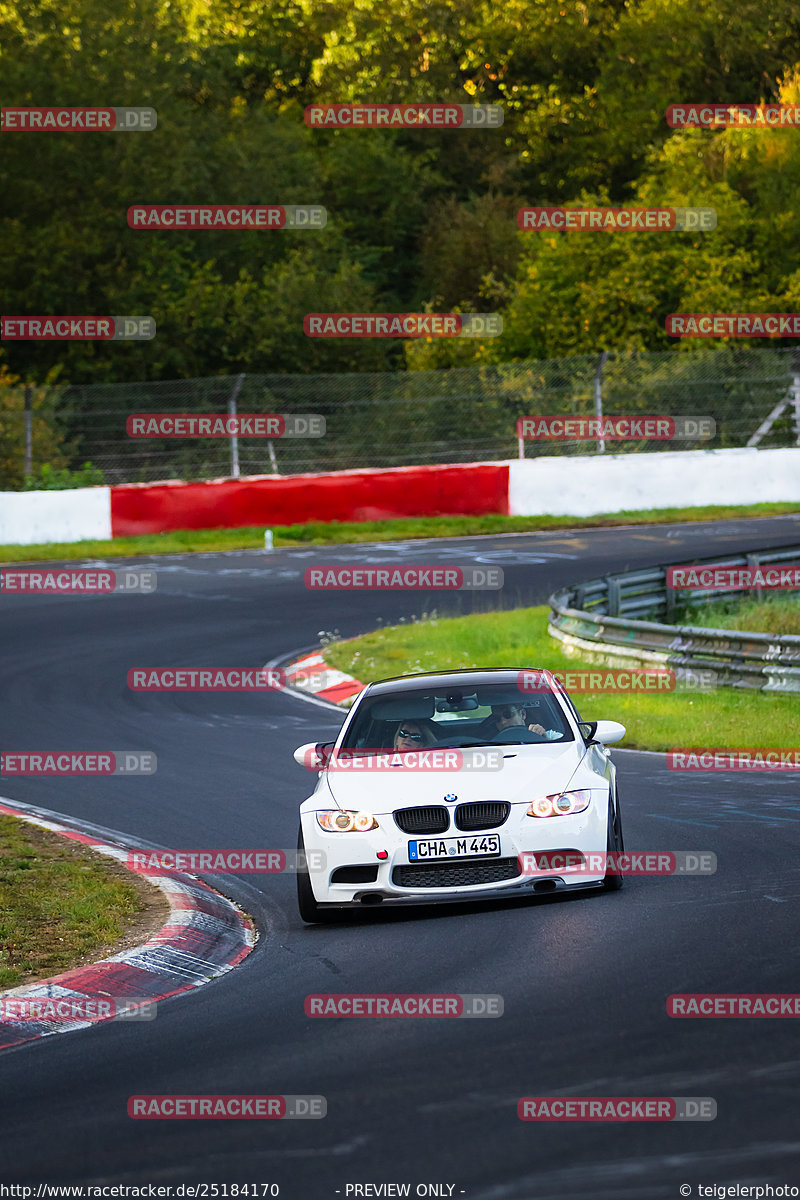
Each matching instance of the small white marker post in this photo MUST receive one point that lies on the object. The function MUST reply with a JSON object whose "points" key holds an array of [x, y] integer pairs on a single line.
{"points": [[268, 539]]}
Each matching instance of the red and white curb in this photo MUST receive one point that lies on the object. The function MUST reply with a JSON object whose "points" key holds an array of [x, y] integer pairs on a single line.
{"points": [[205, 936], [312, 674]]}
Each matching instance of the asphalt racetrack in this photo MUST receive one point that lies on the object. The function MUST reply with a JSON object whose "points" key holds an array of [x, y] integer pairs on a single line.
{"points": [[584, 979]]}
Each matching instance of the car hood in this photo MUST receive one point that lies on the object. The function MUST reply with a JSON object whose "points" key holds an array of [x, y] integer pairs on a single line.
{"points": [[526, 772]]}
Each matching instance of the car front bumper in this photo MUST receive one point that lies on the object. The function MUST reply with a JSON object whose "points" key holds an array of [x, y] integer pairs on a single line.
{"points": [[397, 880]]}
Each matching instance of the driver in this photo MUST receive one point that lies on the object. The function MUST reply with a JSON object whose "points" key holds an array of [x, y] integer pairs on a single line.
{"points": [[506, 715]]}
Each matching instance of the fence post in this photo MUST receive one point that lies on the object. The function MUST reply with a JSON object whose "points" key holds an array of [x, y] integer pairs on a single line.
{"points": [[598, 397], [768, 421], [796, 406], [28, 430], [233, 438]]}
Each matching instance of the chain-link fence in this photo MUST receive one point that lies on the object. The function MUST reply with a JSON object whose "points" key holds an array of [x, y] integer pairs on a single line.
{"points": [[401, 419]]}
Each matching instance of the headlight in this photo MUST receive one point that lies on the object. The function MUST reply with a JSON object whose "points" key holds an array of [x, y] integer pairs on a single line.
{"points": [[346, 821], [562, 804]]}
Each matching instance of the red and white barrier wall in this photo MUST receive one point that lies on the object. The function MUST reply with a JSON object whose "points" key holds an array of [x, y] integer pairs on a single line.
{"points": [[581, 486], [375, 495], [570, 486], [74, 515]]}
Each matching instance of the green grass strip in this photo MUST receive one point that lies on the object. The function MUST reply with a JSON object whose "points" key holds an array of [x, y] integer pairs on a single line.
{"points": [[329, 533], [726, 718], [778, 614], [60, 903]]}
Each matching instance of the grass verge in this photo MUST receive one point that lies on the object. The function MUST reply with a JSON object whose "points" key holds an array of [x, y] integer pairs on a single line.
{"points": [[775, 614], [63, 905], [327, 533], [725, 718]]}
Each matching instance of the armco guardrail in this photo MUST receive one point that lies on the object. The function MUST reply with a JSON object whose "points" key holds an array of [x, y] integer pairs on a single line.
{"points": [[600, 620]]}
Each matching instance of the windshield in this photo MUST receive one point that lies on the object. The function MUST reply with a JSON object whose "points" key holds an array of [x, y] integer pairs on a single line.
{"points": [[459, 717]]}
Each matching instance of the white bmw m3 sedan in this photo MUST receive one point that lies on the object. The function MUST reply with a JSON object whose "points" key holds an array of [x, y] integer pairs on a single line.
{"points": [[459, 785]]}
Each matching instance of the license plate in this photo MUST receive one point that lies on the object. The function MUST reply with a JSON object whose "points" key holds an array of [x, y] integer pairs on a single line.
{"points": [[485, 846]]}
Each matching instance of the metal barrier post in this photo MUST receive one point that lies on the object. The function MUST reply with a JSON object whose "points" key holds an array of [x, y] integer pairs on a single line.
{"points": [[613, 596], [598, 397], [233, 438], [28, 430], [670, 598]]}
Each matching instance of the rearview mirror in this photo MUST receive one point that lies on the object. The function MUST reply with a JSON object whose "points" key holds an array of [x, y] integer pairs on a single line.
{"points": [[453, 704]]}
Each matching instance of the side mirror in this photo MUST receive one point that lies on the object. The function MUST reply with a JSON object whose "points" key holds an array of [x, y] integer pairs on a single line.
{"points": [[313, 755], [603, 733]]}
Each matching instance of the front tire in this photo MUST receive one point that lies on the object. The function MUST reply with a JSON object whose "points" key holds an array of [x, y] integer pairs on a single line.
{"points": [[615, 844], [311, 912]]}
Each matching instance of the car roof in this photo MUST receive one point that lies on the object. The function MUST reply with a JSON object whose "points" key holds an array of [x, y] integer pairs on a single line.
{"points": [[467, 677]]}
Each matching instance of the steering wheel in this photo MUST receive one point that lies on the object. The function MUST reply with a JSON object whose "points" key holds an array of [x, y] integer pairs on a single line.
{"points": [[517, 733]]}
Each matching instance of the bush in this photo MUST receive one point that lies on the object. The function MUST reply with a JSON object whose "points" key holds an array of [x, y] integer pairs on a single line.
{"points": [[53, 479], [48, 439]]}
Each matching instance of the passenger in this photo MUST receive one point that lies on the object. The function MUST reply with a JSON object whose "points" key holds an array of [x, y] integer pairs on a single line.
{"points": [[414, 735]]}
